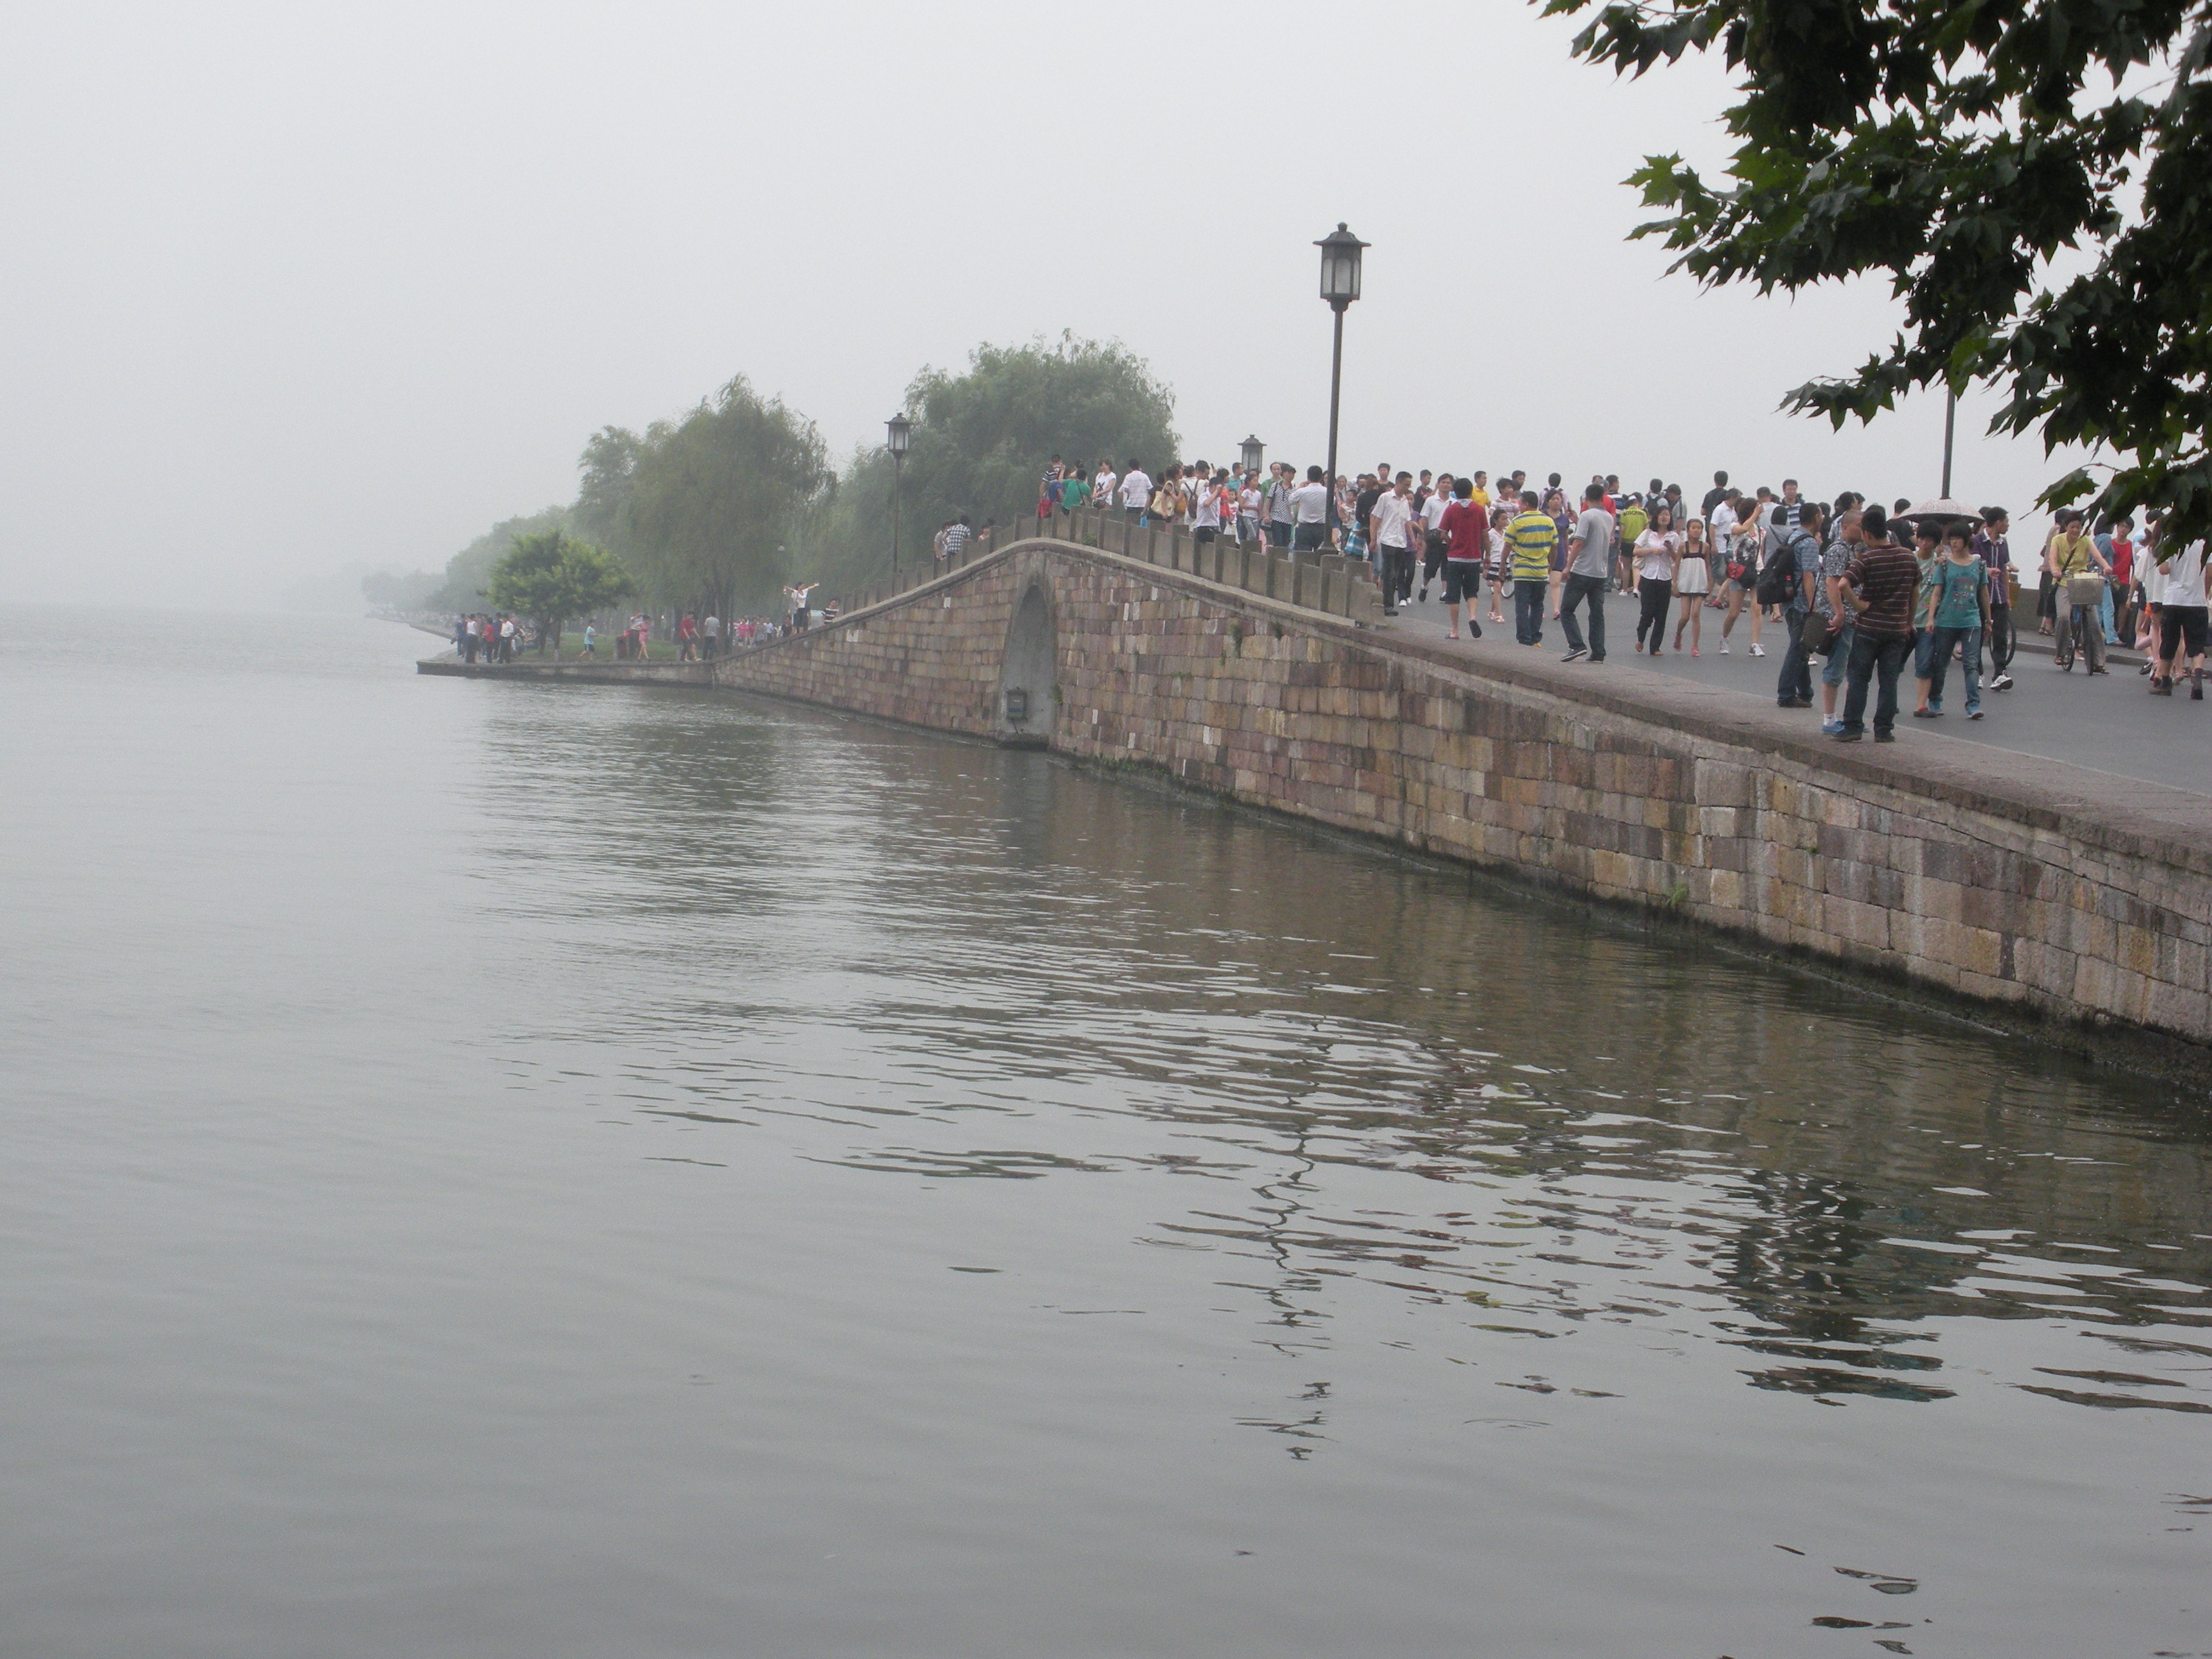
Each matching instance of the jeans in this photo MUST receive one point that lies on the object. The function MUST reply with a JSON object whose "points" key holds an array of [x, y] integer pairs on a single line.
{"points": [[1397, 575], [1576, 589], [1940, 662], [1840, 656], [1279, 532], [1529, 610], [1796, 681], [1875, 655], [2077, 629]]}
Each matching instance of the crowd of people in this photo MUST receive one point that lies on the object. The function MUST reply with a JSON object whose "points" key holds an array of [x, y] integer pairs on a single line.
{"points": [[496, 638], [1865, 589]]}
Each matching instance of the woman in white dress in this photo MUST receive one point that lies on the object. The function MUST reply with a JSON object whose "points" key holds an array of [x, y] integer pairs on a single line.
{"points": [[1693, 579]]}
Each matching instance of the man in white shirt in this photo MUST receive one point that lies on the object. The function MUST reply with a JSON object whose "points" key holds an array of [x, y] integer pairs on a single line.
{"points": [[712, 628], [1387, 532], [1309, 511], [2181, 618], [1136, 489]]}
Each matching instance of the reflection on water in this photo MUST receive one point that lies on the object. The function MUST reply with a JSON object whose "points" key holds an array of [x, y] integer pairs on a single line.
{"points": [[889, 1195], [954, 962]]}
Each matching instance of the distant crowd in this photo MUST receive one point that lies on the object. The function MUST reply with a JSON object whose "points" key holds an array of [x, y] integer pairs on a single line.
{"points": [[1864, 589], [683, 635]]}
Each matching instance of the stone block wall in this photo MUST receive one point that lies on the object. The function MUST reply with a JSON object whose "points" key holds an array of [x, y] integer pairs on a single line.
{"points": [[1994, 875]]}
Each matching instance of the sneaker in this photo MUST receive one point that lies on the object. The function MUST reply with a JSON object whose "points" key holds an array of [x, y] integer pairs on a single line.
{"points": [[1693, 650], [1885, 737], [1829, 728], [1974, 714], [1389, 610], [1723, 650], [1424, 593], [1792, 702], [2145, 669], [2160, 686], [1847, 736], [2002, 683], [1577, 651], [1928, 713], [1758, 650]]}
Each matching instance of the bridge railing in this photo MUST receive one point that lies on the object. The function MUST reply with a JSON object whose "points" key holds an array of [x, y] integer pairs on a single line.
{"points": [[1327, 583]]}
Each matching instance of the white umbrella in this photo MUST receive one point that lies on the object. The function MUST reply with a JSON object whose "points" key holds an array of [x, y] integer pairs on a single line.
{"points": [[1941, 510]]}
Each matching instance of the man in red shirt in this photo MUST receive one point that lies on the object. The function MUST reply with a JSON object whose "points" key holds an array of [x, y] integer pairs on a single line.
{"points": [[1466, 530]]}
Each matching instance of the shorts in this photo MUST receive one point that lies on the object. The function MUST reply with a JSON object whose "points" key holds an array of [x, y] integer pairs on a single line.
{"points": [[2182, 625], [1462, 580]]}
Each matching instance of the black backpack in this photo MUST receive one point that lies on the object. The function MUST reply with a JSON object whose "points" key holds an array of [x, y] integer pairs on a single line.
{"points": [[1779, 581]]}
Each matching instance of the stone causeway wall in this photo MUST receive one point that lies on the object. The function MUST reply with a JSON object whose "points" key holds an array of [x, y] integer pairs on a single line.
{"points": [[2000, 876]]}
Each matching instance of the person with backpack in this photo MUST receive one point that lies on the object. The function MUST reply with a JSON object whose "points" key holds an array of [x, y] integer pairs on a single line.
{"points": [[1745, 536], [1635, 519], [1791, 576]]}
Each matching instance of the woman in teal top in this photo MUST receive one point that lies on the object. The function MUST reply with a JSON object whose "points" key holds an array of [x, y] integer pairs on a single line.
{"points": [[1954, 604]]}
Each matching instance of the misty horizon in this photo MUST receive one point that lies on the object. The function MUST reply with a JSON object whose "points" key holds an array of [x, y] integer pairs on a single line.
{"points": [[306, 295]]}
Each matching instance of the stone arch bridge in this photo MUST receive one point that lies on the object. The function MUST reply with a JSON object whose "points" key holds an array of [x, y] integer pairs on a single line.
{"points": [[1963, 869]]}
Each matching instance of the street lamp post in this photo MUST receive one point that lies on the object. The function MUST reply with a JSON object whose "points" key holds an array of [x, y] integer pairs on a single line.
{"points": [[1950, 417], [1253, 452], [1339, 286], [899, 433]]}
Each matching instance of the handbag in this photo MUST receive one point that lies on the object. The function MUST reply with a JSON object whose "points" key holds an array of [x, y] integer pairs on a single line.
{"points": [[1814, 633]]}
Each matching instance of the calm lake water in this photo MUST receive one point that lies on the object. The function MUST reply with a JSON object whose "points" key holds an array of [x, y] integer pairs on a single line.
{"points": [[499, 1170]]}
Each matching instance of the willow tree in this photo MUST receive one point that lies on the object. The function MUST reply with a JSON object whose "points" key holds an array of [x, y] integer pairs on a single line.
{"points": [[1973, 152], [710, 503], [982, 439]]}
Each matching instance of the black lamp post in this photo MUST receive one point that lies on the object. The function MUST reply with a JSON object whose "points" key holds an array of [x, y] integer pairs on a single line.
{"points": [[1339, 286], [1950, 418], [1253, 452], [899, 433]]}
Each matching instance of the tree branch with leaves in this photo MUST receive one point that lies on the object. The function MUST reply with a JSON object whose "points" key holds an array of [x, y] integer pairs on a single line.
{"points": [[1966, 151]]}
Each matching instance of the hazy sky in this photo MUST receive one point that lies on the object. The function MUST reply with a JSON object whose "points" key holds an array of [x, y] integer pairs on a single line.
{"points": [[289, 287]]}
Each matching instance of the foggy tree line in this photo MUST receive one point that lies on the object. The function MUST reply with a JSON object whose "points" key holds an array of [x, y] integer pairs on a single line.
{"points": [[719, 507]]}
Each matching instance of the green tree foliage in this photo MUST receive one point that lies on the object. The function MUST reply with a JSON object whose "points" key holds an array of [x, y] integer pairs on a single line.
{"points": [[552, 576], [468, 573], [608, 469], [981, 443], [1960, 147], [715, 500]]}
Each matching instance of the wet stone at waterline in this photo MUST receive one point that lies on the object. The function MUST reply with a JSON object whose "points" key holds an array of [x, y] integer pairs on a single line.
{"points": [[647, 1172]]}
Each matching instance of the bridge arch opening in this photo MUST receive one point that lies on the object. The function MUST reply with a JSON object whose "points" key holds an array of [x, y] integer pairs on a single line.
{"points": [[1026, 703]]}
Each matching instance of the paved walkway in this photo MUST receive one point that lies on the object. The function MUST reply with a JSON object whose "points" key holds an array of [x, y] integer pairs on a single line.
{"points": [[2108, 722]]}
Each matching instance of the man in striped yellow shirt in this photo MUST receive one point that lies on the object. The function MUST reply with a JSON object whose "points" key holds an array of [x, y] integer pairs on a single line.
{"points": [[1530, 539]]}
